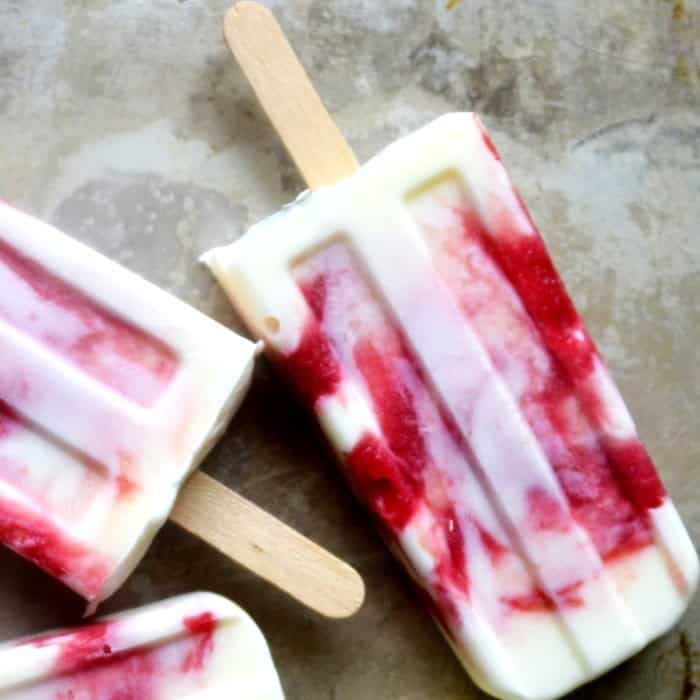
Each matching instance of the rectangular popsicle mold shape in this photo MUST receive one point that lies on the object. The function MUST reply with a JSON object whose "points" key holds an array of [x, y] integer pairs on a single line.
{"points": [[416, 311], [111, 393], [195, 646]]}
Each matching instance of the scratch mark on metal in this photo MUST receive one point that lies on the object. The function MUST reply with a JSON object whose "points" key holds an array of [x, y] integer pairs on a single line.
{"points": [[611, 128], [615, 58]]}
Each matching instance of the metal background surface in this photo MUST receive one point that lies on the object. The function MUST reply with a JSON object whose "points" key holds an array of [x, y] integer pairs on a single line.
{"points": [[127, 124]]}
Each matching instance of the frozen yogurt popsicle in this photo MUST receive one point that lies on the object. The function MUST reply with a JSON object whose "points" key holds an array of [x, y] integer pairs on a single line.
{"points": [[111, 394], [415, 309], [195, 646]]}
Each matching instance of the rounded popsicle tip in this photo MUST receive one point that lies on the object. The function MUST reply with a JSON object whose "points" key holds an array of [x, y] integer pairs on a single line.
{"points": [[345, 597], [243, 12]]}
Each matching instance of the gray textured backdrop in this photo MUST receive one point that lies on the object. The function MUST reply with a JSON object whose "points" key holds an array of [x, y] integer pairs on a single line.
{"points": [[126, 123]]}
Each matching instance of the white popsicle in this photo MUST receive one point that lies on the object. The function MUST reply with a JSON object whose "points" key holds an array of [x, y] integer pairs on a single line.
{"points": [[195, 646]]}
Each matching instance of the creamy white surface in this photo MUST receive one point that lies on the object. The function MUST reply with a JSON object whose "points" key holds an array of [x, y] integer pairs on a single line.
{"points": [[236, 664], [76, 429]]}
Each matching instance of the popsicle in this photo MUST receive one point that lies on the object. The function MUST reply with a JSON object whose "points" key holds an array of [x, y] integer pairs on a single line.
{"points": [[111, 394], [414, 308], [194, 646]]}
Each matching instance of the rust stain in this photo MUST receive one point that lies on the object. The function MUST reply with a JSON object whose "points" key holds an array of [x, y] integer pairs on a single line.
{"points": [[678, 10], [682, 71], [452, 4]]}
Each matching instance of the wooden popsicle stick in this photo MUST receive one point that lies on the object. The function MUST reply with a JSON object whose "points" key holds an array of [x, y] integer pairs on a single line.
{"points": [[280, 82], [272, 550]]}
